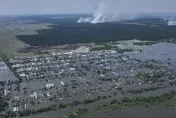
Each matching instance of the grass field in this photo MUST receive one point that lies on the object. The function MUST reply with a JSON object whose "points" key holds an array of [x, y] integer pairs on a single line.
{"points": [[9, 44]]}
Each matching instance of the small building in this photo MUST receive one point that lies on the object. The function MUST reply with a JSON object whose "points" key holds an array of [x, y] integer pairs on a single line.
{"points": [[34, 95], [15, 109]]}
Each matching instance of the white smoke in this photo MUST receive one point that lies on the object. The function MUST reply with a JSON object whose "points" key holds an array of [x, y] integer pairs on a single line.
{"points": [[105, 14], [84, 20], [118, 10], [170, 21]]}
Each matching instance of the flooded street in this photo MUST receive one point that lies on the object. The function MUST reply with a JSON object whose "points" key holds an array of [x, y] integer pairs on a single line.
{"points": [[5, 73], [60, 83]]}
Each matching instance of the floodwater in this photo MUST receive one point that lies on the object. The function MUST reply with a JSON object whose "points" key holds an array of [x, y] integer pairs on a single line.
{"points": [[174, 64], [5, 73], [128, 112], [135, 112], [160, 51]]}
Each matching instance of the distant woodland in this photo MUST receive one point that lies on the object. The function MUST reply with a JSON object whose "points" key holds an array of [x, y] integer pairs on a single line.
{"points": [[67, 31]]}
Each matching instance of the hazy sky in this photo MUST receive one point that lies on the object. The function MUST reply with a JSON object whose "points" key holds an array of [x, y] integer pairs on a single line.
{"points": [[45, 6], [83, 6]]}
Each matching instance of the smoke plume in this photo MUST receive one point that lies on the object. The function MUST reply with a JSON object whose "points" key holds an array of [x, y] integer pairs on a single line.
{"points": [[105, 14], [118, 10], [171, 22]]}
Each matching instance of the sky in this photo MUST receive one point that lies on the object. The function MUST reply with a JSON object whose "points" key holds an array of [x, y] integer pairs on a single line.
{"points": [[12, 7], [46, 6]]}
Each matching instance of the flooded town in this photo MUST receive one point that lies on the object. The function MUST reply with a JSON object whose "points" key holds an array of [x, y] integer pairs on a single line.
{"points": [[31, 85]]}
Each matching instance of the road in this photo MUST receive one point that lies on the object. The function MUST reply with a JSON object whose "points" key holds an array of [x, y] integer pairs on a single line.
{"points": [[8, 64]]}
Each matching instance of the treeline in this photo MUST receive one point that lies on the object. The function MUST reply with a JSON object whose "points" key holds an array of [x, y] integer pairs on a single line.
{"points": [[145, 90], [109, 47], [144, 43], [142, 101], [149, 100], [104, 47], [126, 101], [71, 33]]}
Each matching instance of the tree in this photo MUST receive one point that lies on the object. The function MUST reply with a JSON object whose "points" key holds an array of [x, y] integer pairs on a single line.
{"points": [[125, 99]]}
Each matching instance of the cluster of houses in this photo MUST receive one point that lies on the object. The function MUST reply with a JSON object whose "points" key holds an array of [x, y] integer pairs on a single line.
{"points": [[63, 76]]}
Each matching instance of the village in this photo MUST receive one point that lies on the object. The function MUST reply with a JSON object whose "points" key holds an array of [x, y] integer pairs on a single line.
{"points": [[77, 76]]}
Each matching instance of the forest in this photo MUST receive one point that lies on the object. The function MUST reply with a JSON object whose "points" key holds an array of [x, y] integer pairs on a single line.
{"points": [[67, 31]]}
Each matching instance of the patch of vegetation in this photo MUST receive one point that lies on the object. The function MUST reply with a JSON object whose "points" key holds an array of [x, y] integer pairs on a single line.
{"points": [[143, 75], [41, 110], [144, 90], [149, 100], [113, 42], [77, 114], [149, 65], [74, 103], [144, 43], [104, 47], [168, 104], [146, 77], [123, 50], [105, 79], [142, 101], [88, 101], [3, 103], [169, 59]]}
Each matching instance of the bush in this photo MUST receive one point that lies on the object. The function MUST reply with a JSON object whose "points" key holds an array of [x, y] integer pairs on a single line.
{"points": [[113, 101], [88, 101], [74, 103], [125, 99], [25, 113], [3, 105], [62, 105]]}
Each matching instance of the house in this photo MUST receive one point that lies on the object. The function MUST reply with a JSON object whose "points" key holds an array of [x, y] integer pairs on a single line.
{"points": [[62, 83], [48, 86], [6, 92], [34, 95], [172, 81], [15, 109]]}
